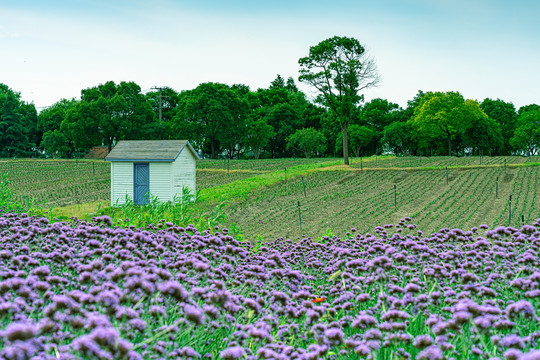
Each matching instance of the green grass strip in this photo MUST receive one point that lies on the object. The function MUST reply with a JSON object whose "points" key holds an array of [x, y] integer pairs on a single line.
{"points": [[241, 189]]}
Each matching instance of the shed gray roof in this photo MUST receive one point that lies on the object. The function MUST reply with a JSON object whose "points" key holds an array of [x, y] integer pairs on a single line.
{"points": [[149, 150]]}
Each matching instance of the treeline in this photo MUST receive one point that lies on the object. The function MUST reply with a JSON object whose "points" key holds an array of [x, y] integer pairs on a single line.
{"points": [[278, 121]]}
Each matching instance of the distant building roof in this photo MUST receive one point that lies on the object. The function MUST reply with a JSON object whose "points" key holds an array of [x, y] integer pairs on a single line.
{"points": [[97, 152], [149, 150]]}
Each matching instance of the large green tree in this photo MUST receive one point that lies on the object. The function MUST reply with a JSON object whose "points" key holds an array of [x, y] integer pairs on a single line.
{"points": [[398, 137], [481, 133], [309, 141], [504, 113], [527, 135], [528, 108], [55, 141], [285, 109], [14, 140], [214, 116], [339, 69], [377, 114], [108, 113], [258, 134], [360, 138], [440, 116], [18, 125], [285, 119]]}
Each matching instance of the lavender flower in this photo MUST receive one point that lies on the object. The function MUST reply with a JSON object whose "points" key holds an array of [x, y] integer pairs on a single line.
{"points": [[430, 353], [512, 354], [422, 341], [194, 314], [19, 331], [232, 353], [523, 308]]}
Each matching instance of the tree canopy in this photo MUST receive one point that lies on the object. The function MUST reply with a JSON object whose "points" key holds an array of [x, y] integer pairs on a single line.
{"points": [[527, 135], [339, 69], [309, 141], [503, 113], [215, 114], [108, 113], [18, 125], [236, 121], [448, 117]]}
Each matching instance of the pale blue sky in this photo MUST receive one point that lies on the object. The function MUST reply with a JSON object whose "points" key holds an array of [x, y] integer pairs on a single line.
{"points": [[53, 49]]}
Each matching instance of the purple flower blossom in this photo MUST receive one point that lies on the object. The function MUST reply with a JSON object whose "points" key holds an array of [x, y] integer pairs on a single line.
{"points": [[422, 341], [232, 353], [521, 308], [512, 354], [194, 314], [531, 355], [430, 353], [334, 336], [174, 289], [19, 331], [512, 341]]}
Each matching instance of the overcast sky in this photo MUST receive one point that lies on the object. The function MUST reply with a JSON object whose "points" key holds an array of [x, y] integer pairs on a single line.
{"points": [[52, 49]]}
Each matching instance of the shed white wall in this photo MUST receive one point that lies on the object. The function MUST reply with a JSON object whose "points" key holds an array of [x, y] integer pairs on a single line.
{"points": [[121, 182], [183, 172], [160, 181]]}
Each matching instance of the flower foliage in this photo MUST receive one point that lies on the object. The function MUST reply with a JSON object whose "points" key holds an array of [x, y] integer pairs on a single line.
{"points": [[86, 289]]}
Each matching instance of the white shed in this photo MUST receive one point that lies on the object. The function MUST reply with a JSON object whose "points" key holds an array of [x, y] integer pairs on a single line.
{"points": [[143, 169]]}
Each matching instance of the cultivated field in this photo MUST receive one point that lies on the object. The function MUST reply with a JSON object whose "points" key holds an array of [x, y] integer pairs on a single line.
{"points": [[262, 196], [50, 183], [341, 199]]}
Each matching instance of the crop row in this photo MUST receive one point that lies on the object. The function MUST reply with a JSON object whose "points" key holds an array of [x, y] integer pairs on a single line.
{"points": [[440, 161], [343, 199]]}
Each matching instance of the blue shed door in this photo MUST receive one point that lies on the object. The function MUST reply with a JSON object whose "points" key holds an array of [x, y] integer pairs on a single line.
{"points": [[141, 182]]}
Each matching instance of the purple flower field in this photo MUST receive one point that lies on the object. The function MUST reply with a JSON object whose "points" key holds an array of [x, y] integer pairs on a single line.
{"points": [[87, 290]]}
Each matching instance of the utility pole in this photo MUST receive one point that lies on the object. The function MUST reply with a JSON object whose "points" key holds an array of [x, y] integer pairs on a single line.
{"points": [[160, 103]]}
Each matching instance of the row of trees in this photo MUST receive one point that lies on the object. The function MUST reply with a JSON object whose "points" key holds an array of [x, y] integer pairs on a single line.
{"points": [[278, 121]]}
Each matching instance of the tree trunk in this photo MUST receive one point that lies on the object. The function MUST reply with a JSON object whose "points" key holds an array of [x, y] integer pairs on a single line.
{"points": [[449, 146], [213, 149], [344, 128]]}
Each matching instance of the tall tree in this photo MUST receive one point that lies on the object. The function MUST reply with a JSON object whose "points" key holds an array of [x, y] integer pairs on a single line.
{"points": [[339, 69], [440, 116], [258, 134], [284, 109], [55, 141], [215, 115], [360, 138], [285, 119], [398, 137], [528, 108], [482, 132], [18, 124], [309, 141], [13, 136], [527, 135], [504, 113], [108, 113], [377, 114], [278, 83]]}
